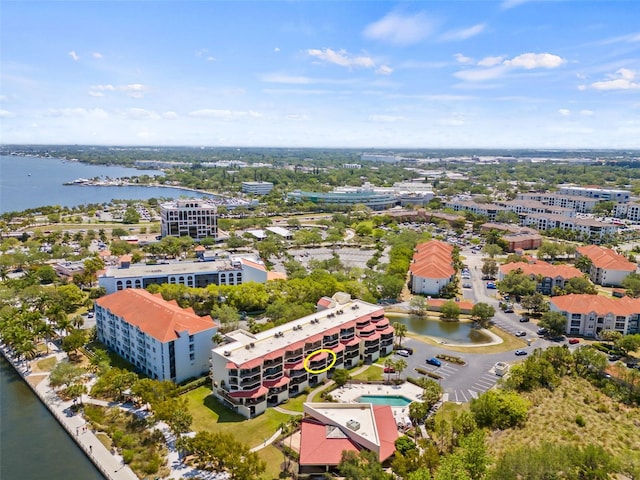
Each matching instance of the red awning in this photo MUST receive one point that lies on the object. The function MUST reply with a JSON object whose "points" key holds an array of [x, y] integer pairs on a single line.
{"points": [[389, 329], [318, 357], [296, 366], [280, 382], [231, 365], [352, 342], [274, 355], [339, 348], [256, 362], [250, 393]]}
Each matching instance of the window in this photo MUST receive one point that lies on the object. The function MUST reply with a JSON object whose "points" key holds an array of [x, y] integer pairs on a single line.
{"points": [[192, 356]]}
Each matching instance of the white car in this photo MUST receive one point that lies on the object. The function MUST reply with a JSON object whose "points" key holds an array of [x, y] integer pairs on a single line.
{"points": [[402, 353]]}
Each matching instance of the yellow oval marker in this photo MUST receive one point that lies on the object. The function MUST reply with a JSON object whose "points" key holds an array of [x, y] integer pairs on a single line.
{"points": [[317, 352]]}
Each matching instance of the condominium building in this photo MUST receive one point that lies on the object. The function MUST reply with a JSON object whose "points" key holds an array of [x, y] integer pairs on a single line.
{"points": [[533, 206], [546, 275], [193, 217], [431, 268], [159, 338], [630, 211], [590, 315], [578, 203], [257, 188], [608, 268], [602, 194], [488, 210], [233, 270], [254, 371], [587, 228]]}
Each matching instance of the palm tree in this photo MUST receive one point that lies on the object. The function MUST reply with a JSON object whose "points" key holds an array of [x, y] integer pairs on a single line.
{"points": [[389, 365], [400, 365], [77, 321], [401, 331]]}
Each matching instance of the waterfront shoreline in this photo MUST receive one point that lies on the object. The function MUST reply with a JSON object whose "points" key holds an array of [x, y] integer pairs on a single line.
{"points": [[109, 465]]}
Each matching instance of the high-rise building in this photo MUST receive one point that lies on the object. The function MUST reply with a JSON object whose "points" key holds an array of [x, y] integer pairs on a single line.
{"points": [[192, 217]]}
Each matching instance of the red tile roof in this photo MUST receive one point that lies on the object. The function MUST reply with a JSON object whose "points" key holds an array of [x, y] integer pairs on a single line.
{"points": [[387, 430], [432, 260], [271, 275], [258, 392], [156, 317], [317, 449], [584, 304], [280, 382], [542, 268], [606, 258], [257, 266]]}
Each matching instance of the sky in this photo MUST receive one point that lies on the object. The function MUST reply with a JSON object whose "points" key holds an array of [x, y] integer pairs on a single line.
{"points": [[335, 74]]}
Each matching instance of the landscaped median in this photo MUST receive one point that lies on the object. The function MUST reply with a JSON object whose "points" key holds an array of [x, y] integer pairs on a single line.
{"points": [[451, 359]]}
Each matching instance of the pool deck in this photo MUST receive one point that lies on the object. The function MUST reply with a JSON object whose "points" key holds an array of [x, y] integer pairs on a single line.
{"points": [[351, 392]]}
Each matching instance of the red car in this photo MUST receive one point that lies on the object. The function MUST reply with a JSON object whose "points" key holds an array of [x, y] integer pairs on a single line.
{"points": [[389, 370], [573, 341]]}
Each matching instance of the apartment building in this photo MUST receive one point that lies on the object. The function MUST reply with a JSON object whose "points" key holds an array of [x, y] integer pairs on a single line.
{"points": [[590, 315], [159, 338], [585, 227], [546, 275], [489, 210], [630, 211], [522, 207], [578, 203], [233, 270], [431, 267], [257, 188], [193, 217], [254, 371], [608, 268], [591, 191]]}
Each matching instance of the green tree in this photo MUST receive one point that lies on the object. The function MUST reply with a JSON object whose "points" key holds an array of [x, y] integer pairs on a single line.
{"points": [[65, 374], [555, 322], [629, 343], [489, 267], [584, 264], [517, 284], [131, 215], [361, 466], [632, 283], [450, 311], [72, 342], [400, 330], [474, 455], [341, 376], [580, 285], [534, 303], [492, 249], [482, 313], [499, 409], [418, 305], [46, 274]]}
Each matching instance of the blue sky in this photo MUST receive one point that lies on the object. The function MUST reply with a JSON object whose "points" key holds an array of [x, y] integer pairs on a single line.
{"points": [[362, 74]]}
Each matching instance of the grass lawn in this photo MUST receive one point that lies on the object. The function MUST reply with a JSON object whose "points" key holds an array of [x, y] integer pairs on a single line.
{"points": [[210, 415], [552, 418], [47, 364], [370, 374], [295, 404], [274, 459]]}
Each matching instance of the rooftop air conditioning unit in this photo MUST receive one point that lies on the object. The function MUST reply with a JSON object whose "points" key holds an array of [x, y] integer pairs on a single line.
{"points": [[247, 347], [252, 345], [353, 425]]}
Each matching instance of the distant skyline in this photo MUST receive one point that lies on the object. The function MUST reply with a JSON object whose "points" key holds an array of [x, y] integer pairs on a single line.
{"points": [[359, 74]]}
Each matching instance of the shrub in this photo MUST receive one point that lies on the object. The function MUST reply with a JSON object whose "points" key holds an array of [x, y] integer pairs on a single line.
{"points": [[580, 421], [452, 359], [127, 456], [428, 373]]}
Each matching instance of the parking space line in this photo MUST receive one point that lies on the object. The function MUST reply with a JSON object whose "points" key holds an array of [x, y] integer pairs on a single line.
{"points": [[473, 394]]}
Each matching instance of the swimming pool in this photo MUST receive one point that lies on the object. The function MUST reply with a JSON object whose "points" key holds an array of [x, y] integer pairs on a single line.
{"points": [[391, 400]]}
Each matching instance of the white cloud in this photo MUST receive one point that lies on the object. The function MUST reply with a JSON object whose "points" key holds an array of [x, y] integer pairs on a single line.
{"points": [[535, 60], [211, 59], [506, 4], [399, 29], [622, 79], [385, 118], [481, 74], [564, 112], [277, 49], [283, 78], [587, 113], [76, 113], [464, 33], [342, 58], [496, 67], [223, 114], [97, 55], [141, 113], [170, 115], [490, 61], [6, 114], [384, 70], [134, 90], [74, 55], [296, 117], [462, 59]]}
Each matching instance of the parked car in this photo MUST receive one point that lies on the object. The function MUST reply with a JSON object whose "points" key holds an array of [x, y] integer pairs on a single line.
{"points": [[520, 333], [520, 352], [402, 353], [491, 286], [542, 331], [614, 358], [409, 349], [573, 341], [389, 370], [508, 309], [90, 315], [434, 361], [524, 319], [466, 285]]}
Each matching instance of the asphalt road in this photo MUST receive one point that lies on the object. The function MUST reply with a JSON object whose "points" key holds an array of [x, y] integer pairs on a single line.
{"points": [[463, 383]]}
